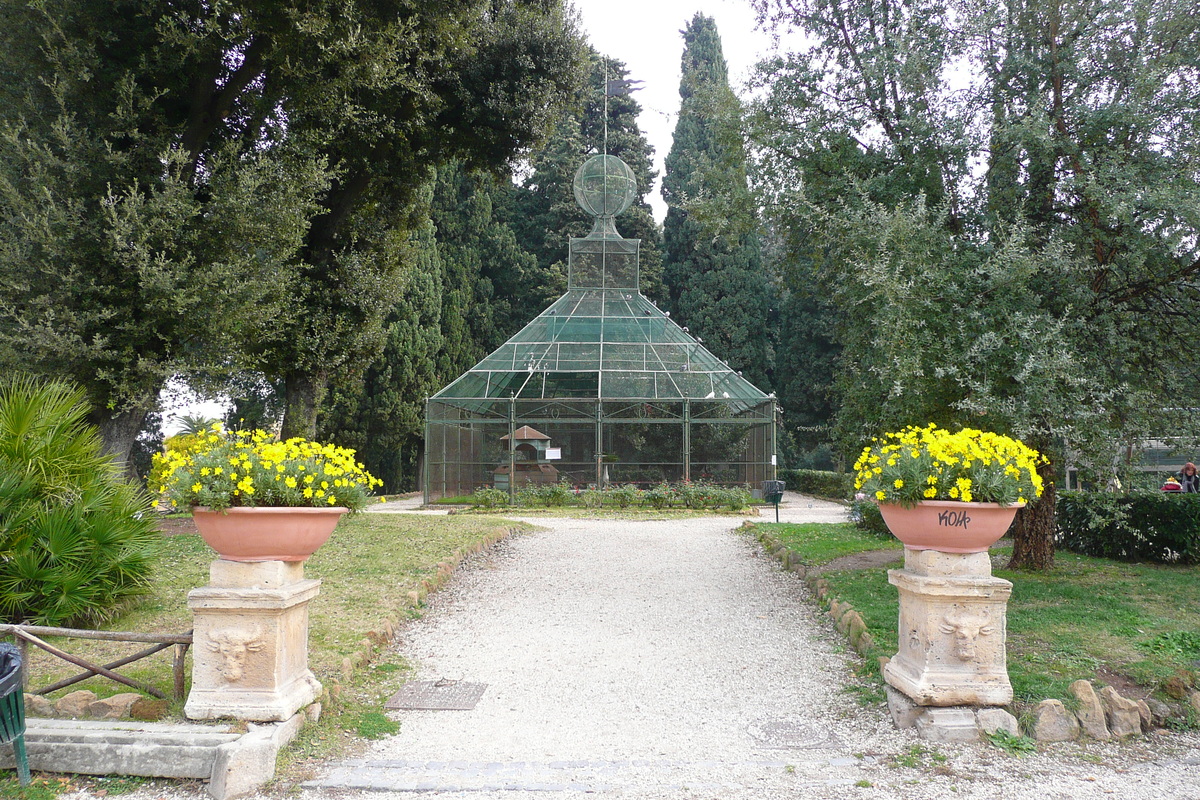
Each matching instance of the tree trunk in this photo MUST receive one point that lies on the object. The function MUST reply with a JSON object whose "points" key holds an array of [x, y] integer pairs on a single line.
{"points": [[1033, 532], [303, 394], [118, 432]]}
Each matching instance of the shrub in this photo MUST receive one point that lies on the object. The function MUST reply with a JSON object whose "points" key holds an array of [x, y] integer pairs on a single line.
{"points": [[835, 485], [75, 539], [866, 516], [737, 498], [556, 494], [591, 498], [625, 496], [1150, 526], [661, 496], [528, 496], [489, 498]]}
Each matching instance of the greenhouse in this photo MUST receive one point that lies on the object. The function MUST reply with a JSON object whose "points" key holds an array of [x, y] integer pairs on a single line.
{"points": [[602, 388]]}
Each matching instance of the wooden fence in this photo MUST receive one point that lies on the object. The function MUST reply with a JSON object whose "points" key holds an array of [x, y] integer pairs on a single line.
{"points": [[30, 634]]}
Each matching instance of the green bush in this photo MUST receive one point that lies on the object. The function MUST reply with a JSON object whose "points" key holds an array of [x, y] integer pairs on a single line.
{"points": [[1149, 526], [591, 498], [624, 496], [737, 498], [489, 498], [556, 494], [836, 485], [75, 539], [865, 516], [661, 496]]}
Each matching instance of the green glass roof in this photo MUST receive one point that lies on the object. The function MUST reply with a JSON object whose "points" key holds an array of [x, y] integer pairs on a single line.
{"points": [[606, 344]]}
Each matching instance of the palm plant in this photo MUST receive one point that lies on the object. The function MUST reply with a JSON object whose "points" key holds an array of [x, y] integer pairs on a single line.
{"points": [[75, 539]]}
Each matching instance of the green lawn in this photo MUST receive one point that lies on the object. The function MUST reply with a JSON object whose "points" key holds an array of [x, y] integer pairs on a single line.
{"points": [[1087, 618], [367, 567]]}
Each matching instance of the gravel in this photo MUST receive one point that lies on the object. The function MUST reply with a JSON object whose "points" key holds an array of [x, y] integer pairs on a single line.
{"points": [[671, 659]]}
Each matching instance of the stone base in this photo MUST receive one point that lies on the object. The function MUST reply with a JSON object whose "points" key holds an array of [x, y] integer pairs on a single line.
{"points": [[957, 724], [260, 705], [952, 631], [250, 657]]}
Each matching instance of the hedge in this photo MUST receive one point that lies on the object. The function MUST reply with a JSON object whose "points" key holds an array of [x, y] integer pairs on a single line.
{"points": [[1137, 527], [838, 485]]}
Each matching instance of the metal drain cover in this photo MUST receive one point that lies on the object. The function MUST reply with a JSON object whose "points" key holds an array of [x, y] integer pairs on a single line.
{"points": [[792, 734], [443, 695]]}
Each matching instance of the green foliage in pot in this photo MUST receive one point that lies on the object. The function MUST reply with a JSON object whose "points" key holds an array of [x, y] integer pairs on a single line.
{"points": [[75, 539]]}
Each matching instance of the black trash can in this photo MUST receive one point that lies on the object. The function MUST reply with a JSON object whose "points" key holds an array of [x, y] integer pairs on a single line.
{"points": [[12, 708]]}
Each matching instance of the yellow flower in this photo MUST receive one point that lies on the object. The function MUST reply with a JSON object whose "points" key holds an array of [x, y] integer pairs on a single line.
{"points": [[308, 492], [881, 495], [290, 482], [899, 484], [196, 487]]}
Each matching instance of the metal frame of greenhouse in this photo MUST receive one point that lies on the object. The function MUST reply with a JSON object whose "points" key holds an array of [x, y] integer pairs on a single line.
{"points": [[625, 395]]}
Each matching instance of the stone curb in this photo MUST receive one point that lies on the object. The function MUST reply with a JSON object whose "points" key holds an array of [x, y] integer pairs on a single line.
{"points": [[385, 632], [848, 621], [1109, 716], [233, 763]]}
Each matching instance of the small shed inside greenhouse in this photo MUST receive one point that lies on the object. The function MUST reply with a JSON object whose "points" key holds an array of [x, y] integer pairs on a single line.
{"points": [[625, 394]]}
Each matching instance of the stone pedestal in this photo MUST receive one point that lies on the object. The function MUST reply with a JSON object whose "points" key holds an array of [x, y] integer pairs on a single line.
{"points": [[250, 650], [952, 630]]}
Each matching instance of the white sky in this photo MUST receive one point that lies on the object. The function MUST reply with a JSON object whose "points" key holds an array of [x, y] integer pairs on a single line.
{"points": [[646, 35]]}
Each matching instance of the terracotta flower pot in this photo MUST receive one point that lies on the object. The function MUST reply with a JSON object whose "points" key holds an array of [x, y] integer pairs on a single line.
{"points": [[268, 533], [949, 525]]}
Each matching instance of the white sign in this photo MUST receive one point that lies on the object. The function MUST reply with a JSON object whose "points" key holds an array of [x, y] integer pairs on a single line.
{"points": [[553, 453], [772, 461]]}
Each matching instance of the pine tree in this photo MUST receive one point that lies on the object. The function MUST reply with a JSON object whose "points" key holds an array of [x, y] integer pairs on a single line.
{"points": [[714, 277]]}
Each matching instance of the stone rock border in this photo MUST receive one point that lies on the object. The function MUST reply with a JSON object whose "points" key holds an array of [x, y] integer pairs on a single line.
{"points": [[83, 704], [1102, 715]]}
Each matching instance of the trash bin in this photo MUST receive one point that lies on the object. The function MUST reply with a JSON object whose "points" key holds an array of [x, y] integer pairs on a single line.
{"points": [[12, 708], [773, 491]]}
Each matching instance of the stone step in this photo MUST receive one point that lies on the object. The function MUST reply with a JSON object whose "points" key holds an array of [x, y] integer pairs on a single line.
{"points": [[791, 770], [234, 762], [118, 747]]}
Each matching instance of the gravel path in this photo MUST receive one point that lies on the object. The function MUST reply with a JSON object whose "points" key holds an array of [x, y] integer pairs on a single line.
{"points": [[671, 659]]}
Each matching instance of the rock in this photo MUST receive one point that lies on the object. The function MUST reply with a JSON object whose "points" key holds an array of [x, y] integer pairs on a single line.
{"points": [[855, 627], [1091, 712], [1053, 723], [75, 704], [1144, 713], [991, 720], [148, 710], [883, 662], [950, 725], [864, 644], [835, 609], [1159, 711], [1123, 716], [903, 710], [313, 713], [115, 707], [38, 706], [1194, 701]]}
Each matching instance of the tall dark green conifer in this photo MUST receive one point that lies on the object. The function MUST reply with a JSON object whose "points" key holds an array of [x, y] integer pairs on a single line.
{"points": [[714, 277], [544, 212]]}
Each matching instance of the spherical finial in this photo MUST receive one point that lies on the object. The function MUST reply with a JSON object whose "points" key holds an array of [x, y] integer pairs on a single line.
{"points": [[605, 186]]}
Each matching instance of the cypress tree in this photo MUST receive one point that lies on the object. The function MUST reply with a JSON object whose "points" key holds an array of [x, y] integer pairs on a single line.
{"points": [[544, 213], [714, 277]]}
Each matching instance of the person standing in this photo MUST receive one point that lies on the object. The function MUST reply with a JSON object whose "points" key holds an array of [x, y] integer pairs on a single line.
{"points": [[1188, 479]]}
